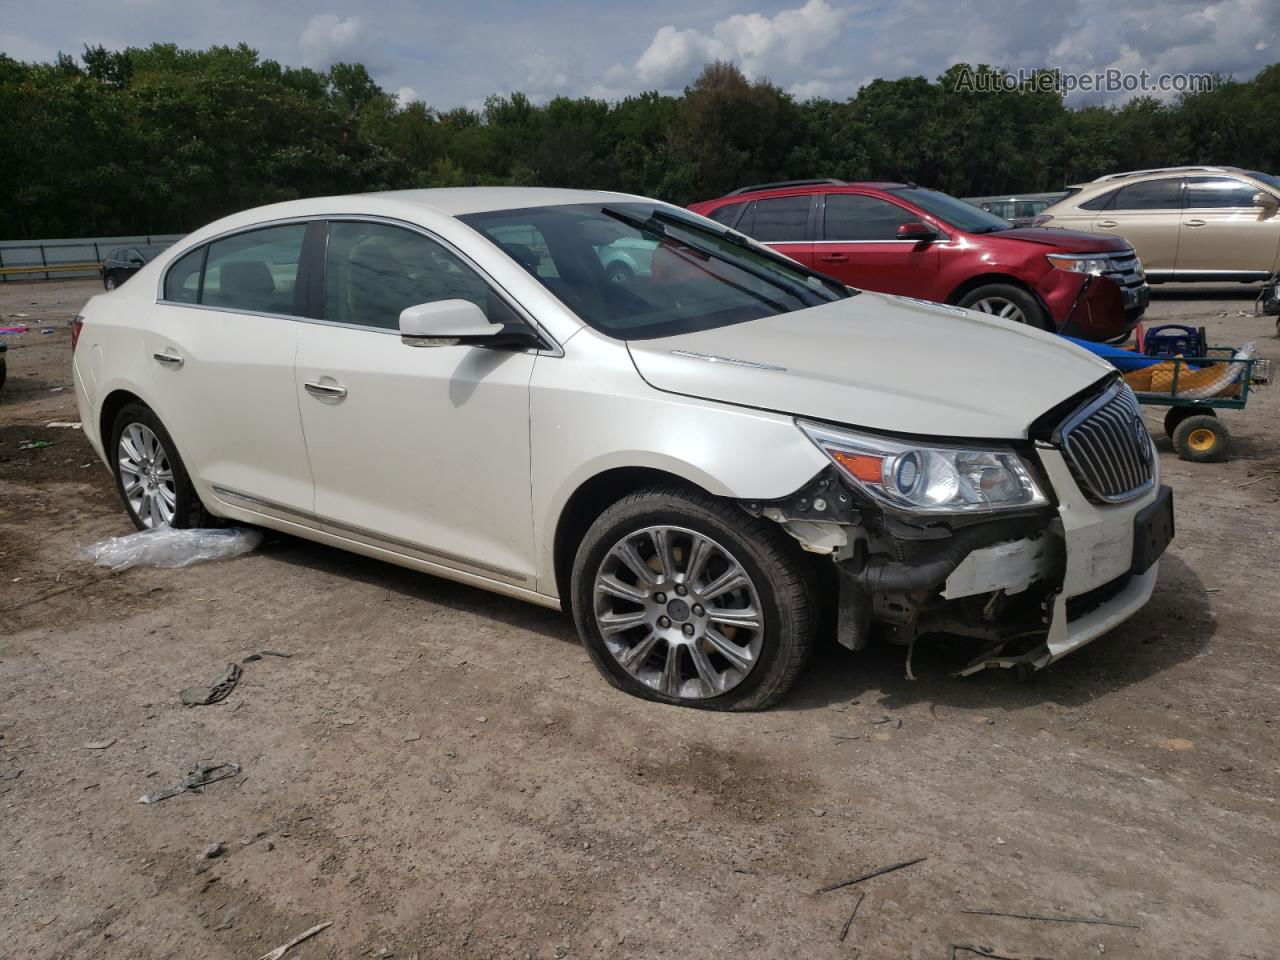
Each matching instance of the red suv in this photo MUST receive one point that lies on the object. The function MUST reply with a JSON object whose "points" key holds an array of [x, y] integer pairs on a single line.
{"points": [[905, 239]]}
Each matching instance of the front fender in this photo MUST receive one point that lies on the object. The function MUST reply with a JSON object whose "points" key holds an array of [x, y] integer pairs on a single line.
{"points": [[590, 412]]}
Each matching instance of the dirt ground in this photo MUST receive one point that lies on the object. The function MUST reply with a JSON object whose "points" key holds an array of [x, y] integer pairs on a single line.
{"points": [[441, 773]]}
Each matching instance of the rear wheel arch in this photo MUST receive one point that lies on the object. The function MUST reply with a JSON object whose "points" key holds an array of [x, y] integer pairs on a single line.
{"points": [[114, 402]]}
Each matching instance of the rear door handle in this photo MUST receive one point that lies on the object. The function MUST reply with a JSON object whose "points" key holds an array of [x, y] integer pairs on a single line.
{"points": [[1107, 223], [325, 391], [834, 258], [168, 359], [1193, 223]]}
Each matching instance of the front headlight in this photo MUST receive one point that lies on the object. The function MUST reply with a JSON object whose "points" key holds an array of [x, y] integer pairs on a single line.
{"points": [[921, 478], [1080, 263]]}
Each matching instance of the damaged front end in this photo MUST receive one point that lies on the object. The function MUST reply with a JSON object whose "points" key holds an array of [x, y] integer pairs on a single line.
{"points": [[996, 542]]}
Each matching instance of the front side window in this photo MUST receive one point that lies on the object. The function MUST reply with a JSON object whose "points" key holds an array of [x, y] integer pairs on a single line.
{"points": [[1150, 195], [374, 271], [948, 209], [255, 271], [1211, 192], [182, 282], [853, 217], [688, 275]]}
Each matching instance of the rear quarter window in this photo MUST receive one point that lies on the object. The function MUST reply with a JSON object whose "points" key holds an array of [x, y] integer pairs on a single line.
{"points": [[182, 282]]}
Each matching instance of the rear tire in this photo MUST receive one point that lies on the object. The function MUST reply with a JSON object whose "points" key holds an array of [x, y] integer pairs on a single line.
{"points": [[693, 640], [154, 486], [1201, 439], [1009, 302]]}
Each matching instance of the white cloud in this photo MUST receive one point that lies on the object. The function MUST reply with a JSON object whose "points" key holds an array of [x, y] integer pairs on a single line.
{"points": [[328, 39], [755, 41], [406, 96]]}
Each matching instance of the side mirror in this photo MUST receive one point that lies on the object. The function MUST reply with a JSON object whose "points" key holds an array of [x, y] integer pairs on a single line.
{"points": [[447, 323], [1265, 200], [917, 232]]}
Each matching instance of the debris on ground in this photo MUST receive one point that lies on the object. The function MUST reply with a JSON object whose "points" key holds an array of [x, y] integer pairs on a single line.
{"points": [[281, 950], [34, 444], [212, 851], [873, 873], [99, 744], [168, 547], [1036, 916], [203, 696], [64, 425], [844, 931], [201, 775]]}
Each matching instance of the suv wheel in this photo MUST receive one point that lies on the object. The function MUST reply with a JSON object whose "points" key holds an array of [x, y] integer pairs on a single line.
{"points": [[1008, 302], [150, 476], [684, 599]]}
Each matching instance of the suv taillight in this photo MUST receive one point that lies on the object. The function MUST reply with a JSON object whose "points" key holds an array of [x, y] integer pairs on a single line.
{"points": [[77, 323]]}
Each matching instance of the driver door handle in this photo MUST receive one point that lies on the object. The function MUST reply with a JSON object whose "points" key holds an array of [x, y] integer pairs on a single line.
{"points": [[168, 359], [1106, 223], [834, 258], [326, 391], [1193, 223]]}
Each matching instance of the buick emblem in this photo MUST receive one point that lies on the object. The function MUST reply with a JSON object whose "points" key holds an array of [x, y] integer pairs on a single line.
{"points": [[1142, 440]]}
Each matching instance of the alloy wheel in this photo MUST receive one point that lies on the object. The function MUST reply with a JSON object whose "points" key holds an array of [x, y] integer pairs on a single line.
{"points": [[678, 612], [146, 476], [1000, 307]]}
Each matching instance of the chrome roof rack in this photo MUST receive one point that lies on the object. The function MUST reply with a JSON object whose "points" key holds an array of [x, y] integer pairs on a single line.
{"points": [[1139, 173], [787, 183]]}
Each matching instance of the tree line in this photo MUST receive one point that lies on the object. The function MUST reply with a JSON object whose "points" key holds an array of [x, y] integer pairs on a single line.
{"points": [[163, 139]]}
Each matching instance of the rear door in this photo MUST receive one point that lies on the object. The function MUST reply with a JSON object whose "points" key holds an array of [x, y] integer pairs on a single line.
{"points": [[858, 244], [1149, 215], [784, 223], [221, 352], [1223, 231]]}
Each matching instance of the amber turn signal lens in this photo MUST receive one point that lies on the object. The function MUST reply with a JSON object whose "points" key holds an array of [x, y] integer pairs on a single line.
{"points": [[860, 465]]}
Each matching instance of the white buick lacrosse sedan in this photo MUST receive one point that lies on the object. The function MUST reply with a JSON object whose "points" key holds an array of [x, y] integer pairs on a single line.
{"points": [[711, 459]]}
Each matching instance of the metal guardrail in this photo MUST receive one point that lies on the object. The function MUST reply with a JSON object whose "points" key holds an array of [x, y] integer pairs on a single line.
{"points": [[43, 259]]}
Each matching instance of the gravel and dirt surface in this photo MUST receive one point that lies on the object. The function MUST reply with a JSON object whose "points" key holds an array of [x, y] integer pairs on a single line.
{"points": [[441, 773]]}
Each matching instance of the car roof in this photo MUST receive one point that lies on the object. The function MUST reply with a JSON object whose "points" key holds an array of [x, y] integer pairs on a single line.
{"points": [[459, 201]]}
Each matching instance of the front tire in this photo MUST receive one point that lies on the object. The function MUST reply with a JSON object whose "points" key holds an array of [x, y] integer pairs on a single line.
{"points": [[1201, 439], [685, 599], [1007, 302], [109, 282], [150, 476]]}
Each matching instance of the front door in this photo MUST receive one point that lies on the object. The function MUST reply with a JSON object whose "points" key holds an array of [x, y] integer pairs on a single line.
{"points": [[1222, 230], [422, 451], [859, 246], [221, 352]]}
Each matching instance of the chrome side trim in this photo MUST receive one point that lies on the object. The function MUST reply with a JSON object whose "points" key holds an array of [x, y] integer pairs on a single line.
{"points": [[370, 537], [712, 358]]}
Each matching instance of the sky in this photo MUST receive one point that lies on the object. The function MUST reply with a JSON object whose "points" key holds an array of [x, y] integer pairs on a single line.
{"points": [[456, 54]]}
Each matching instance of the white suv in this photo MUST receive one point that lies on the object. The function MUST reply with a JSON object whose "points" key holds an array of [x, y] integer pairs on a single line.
{"points": [[705, 463]]}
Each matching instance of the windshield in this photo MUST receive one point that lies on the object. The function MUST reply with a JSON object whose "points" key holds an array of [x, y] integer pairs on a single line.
{"points": [[639, 270], [963, 216], [1271, 180]]}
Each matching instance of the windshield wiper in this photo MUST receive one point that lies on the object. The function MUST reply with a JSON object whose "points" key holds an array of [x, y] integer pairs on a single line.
{"points": [[655, 225]]}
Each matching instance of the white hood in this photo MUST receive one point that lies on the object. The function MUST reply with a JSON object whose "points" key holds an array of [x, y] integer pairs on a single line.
{"points": [[879, 362]]}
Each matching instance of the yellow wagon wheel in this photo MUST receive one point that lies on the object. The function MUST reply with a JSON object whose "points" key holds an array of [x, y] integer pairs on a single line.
{"points": [[1201, 439]]}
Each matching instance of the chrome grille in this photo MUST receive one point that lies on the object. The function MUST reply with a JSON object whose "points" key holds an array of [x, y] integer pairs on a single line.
{"points": [[1125, 269], [1108, 448]]}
